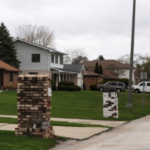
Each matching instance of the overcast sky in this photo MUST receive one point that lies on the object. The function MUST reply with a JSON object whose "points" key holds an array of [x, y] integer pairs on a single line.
{"points": [[99, 26]]}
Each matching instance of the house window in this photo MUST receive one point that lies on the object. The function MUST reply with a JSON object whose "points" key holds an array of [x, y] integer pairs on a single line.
{"points": [[11, 76], [52, 58], [33, 73], [35, 57], [56, 59], [61, 60]]}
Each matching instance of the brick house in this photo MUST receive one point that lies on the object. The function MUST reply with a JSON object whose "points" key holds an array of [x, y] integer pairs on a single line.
{"points": [[94, 78], [91, 78], [8, 75]]}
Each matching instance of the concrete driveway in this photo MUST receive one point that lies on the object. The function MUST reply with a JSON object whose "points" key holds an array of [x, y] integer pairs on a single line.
{"points": [[134, 135]]}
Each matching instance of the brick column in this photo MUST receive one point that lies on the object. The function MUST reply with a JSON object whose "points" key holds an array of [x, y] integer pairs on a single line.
{"points": [[33, 104]]}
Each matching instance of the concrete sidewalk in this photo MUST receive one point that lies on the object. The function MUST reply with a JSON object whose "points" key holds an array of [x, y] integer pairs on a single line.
{"points": [[79, 133], [82, 121], [134, 135]]}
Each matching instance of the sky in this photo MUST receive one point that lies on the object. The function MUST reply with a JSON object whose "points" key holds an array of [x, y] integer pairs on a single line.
{"points": [[100, 27]]}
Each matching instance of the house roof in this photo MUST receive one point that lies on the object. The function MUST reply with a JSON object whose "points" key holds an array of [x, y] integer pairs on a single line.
{"points": [[73, 67], [107, 75], [40, 46], [70, 68], [105, 64], [90, 73], [8, 67]]}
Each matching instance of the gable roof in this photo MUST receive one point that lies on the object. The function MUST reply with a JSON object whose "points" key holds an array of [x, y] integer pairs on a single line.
{"points": [[40, 46], [105, 64], [8, 67], [73, 67], [70, 68]]}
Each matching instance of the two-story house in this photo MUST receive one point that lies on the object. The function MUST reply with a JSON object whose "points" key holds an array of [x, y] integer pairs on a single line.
{"points": [[37, 59]]}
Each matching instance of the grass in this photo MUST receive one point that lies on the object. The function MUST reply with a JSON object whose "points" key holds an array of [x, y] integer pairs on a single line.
{"points": [[53, 123], [82, 105], [8, 141]]}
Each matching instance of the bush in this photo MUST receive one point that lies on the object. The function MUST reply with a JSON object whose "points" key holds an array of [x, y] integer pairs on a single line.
{"points": [[68, 88], [53, 84], [93, 87], [9, 87], [62, 87], [77, 88], [67, 83]]}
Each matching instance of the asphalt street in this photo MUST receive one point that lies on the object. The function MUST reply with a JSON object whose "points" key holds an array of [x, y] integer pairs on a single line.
{"points": [[134, 135]]}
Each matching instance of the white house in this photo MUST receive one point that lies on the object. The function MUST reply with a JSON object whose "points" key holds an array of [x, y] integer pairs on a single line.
{"points": [[37, 59]]}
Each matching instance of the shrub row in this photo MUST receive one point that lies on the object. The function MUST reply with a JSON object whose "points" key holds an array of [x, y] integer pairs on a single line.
{"points": [[67, 83], [68, 88]]}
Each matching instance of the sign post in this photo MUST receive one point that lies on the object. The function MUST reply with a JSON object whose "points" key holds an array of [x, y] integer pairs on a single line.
{"points": [[143, 76]]}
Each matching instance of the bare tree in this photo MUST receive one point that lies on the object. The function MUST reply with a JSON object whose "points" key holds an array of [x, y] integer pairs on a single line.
{"points": [[125, 59], [115, 70], [143, 67], [75, 56], [36, 34]]}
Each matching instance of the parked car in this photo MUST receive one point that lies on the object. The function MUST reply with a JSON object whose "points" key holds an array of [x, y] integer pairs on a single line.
{"points": [[139, 88], [118, 86]]}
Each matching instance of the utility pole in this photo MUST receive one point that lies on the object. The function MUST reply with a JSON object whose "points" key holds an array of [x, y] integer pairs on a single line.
{"points": [[129, 103]]}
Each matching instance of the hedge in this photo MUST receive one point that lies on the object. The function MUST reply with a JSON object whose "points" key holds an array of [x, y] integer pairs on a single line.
{"points": [[68, 88], [67, 83]]}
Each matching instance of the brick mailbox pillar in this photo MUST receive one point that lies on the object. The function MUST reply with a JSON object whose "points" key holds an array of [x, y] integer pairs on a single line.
{"points": [[110, 104], [33, 104]]}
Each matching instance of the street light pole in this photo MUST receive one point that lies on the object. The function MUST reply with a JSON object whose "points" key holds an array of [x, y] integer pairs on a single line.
{"points": [[129, 103]]}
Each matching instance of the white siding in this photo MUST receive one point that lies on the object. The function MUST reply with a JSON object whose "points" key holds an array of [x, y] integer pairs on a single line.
{"points": [[24, 54], [80, 79], [126, 75], [58, 65]]}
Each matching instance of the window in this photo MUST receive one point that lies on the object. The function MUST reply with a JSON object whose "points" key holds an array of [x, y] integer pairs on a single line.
{"points": [[148, 84], [120, 84], [61, 59], [52, 58], [109, 83], [35, 57], [142, 84], [114, 84], [33, 73], [56, 59], [11, 76]]}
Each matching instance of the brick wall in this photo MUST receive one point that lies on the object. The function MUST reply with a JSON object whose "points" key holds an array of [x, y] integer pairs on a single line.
{"points": [[88, 80], [6, 79]]}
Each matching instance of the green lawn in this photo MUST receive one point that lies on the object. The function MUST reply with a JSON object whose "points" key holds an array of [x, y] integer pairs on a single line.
{"points": [[82, 104], [8, 141]]}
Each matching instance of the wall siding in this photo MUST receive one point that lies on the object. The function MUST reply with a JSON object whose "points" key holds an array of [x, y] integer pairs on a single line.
{"points": [[24, 54]]}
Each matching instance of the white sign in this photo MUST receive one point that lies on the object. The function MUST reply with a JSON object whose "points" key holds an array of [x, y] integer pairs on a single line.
{"points": [[143, 75], [49, 92]]}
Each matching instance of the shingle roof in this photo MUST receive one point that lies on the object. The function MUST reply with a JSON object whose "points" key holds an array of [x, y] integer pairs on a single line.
{"points": [[108, 75], [73, 67], [8, 67], [90, 73], [105, 64], [40, 46]]}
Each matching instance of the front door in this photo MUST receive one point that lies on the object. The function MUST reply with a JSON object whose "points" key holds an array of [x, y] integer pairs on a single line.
{"points": [[1, 78]]}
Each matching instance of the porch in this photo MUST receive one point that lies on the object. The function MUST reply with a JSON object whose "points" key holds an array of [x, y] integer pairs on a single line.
{"points": [[60, 75]]}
